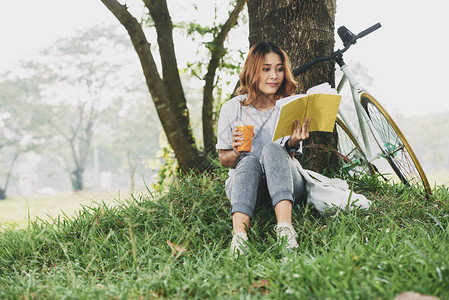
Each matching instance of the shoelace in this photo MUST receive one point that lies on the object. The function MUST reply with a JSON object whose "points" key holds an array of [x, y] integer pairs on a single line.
{"points": [[289, 232], [288, 229]]}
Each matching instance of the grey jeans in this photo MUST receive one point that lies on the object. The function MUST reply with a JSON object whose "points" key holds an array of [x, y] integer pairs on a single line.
{"points": [[274, 176]]}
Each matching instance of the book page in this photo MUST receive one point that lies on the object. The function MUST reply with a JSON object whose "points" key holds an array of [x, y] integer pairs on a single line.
{"points": [[281, 102], [323, 109], [323, 88]]}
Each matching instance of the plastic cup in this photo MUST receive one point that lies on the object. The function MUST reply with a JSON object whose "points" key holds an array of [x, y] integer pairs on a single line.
{"points": [[248, 133]]}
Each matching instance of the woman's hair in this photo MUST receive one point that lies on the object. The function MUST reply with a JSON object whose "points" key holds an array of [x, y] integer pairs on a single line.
{"points": [[253, 68]]}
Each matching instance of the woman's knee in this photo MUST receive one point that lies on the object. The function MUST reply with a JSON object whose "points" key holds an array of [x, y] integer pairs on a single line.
{"points": [[249, 163], [274, 156], [272, 149]]}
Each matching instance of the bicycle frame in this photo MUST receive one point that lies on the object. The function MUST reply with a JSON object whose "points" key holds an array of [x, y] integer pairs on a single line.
{"points": [[362, 135], [374, 123], [349, 39]]}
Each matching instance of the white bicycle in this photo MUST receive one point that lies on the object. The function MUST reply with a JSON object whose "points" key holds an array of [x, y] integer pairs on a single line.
{"points": [[374, 123]]}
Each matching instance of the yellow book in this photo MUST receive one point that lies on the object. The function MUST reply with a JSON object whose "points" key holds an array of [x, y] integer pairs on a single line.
{"points": [[320, 103]]}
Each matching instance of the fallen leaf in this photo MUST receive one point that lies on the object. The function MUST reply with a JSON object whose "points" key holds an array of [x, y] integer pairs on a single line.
{"points": [[176, 250], [263, 285]]}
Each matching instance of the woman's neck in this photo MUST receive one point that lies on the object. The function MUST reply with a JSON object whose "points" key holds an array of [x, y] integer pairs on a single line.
{"points": [[264, 102]]}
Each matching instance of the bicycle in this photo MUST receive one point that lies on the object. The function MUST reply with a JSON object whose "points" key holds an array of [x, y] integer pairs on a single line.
{"points": [[374, 123]]}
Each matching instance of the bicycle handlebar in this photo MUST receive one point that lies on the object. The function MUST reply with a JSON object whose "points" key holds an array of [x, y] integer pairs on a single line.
{"points": [[369, 30], [348, 39]]}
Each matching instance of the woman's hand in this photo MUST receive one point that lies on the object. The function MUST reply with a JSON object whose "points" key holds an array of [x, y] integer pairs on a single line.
{"points": [[229, 158], [237, 140], [300, 132]]}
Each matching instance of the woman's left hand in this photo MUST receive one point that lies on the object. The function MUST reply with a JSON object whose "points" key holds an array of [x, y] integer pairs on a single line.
{"points": [[300, 132]]}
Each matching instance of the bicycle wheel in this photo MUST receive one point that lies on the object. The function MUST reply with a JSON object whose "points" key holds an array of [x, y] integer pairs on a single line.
{"points": [[394, 146], [348, 146]]}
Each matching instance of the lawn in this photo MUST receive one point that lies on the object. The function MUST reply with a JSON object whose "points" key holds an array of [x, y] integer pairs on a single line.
{"points": [[175, 246]]}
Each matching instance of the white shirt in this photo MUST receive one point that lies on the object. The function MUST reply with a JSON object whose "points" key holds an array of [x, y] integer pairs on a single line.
{"points": [[232, 112]]}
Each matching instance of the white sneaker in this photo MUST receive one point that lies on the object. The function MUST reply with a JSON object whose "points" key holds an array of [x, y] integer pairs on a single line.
{"points": [[287, 232], [238, 243]]}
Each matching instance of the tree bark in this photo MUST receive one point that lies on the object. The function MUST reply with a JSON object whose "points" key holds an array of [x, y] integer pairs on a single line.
{"points": [[304, 29], [170, 75], [167, 93]]}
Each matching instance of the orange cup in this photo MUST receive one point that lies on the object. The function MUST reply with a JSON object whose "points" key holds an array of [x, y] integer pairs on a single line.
{"points": [[248, 133]]}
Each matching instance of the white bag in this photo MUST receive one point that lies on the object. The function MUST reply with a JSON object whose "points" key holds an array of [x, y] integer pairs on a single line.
{"points": [[329, 195]]}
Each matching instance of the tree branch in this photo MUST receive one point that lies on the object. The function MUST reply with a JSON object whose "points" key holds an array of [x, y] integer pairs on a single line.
{"points": [[178, 133], [139, 41], [217, 52], [164, 28]]}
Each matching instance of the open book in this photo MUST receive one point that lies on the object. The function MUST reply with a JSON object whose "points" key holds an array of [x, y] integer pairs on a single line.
{"points": [[320, 103]]}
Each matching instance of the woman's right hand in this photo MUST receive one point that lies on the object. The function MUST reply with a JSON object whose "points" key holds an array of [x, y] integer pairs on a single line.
{"points": [[237, 140], [229, 158]]}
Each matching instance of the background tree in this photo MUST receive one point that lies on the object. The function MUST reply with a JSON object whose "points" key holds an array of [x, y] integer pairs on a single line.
{"points": [[166, 90], [7, 170], [130, 142], [16, 123], [80, 87], [305, 30]]}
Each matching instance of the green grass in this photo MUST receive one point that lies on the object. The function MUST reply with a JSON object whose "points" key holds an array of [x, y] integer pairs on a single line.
{"points": [[121, 251]]}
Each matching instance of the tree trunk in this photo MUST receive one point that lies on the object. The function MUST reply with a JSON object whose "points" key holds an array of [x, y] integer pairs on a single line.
{"points": [[77, 180], [9, 174], [166, 92], [304, 29]]}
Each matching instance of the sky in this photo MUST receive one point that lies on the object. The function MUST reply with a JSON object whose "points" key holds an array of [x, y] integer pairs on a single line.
{"points": [[404, 57]]}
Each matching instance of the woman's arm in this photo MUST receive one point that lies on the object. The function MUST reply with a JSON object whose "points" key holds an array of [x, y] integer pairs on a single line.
{"points": [[229, 158]]}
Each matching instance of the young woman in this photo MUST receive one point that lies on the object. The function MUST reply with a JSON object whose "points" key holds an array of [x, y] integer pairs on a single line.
{"points": [[269, 171]]}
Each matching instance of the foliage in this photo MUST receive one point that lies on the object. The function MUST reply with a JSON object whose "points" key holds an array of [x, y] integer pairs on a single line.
{"points": [[175, 245], [166, 164], [202, 33]]}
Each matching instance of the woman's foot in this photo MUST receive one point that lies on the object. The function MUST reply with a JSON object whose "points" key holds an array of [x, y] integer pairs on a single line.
{"points": [[285, 231], [238, 243]]}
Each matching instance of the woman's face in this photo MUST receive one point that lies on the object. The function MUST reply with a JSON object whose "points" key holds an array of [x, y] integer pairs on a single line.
{"points": [[272, 74]]}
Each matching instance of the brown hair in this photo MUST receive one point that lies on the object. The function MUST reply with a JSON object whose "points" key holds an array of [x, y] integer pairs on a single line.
{"points": [[253, 68]]}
